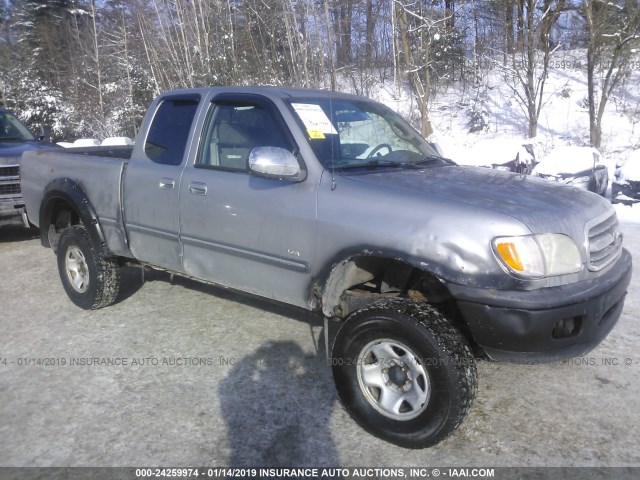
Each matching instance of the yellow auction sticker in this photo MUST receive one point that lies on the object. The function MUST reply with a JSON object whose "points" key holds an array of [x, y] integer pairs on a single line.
{"points": [[315, 134]]}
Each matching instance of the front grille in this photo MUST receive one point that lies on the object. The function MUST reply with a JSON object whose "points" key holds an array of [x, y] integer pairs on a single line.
{"points": [[9, 171], [10, 189], [605, 243], [9, 180]]}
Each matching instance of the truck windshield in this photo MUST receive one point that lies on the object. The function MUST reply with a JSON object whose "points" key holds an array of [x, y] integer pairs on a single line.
{"points": [[352, 134], [12, 129]]}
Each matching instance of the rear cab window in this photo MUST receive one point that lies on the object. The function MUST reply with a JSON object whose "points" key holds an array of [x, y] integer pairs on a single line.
{"points": [[169, 131]]}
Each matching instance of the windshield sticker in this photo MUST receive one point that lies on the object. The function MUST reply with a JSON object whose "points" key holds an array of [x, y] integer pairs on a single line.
{"points": [[314, 119], [315, 134]]}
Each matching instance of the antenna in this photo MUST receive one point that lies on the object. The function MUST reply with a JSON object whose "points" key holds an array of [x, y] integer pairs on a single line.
{"points": [[332, 143]]}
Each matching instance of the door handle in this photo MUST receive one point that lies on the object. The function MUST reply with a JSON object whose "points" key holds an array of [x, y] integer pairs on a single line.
{"points": [[197, 188], [167, 183]]}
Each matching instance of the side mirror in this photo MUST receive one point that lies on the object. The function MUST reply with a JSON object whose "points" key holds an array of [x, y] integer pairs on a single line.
{"points": [[44, 133], [275, 162]]}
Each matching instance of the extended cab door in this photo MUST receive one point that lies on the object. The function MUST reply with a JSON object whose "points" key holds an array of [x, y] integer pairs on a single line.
{"points": [[152, 183], [237, 229]]}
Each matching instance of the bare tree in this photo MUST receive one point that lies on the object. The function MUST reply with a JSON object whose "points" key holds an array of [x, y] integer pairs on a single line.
{"points": [[613, 32], [95, 56], [418, 28], [527, 73]]}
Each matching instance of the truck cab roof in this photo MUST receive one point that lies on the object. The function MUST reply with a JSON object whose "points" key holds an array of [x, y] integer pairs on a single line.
{"points": [[269, 91]]}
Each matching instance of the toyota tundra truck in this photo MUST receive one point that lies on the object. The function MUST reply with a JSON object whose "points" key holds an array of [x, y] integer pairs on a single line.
{"points": [[333, 203]]}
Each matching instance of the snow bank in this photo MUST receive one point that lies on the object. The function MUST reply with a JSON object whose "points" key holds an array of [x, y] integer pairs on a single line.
{"points": [[86, 142], [117, 141], [631, 169]]}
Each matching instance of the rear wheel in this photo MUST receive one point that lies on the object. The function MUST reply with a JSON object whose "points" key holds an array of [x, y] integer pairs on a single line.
{"points": [[404, 372], [90, 280]]}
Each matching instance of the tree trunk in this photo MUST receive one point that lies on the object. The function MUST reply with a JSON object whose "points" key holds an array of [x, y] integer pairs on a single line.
{"points": [[96, 59], [520, 43], [594, 132], [332, 46], [449, 11], [371, 19], [594, 135], [509, 31], [419, 90], [532, 92]]}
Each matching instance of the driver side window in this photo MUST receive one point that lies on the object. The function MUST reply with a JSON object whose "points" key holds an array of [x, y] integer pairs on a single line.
{"points": [[232, 131]]}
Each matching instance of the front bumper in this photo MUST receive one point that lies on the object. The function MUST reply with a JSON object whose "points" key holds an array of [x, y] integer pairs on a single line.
{"points": [[549, 324], [11, 207]]}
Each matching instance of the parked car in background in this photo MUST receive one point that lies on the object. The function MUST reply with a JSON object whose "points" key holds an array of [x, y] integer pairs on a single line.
{"points": [[626, 185], [581, 167], [507, 154], [15, 138]]}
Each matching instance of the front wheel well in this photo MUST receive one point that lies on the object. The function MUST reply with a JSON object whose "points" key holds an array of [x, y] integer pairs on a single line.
{"points": [[365, 279]]}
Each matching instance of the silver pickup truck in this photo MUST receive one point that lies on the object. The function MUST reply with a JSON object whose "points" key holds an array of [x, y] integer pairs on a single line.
{"points": [[333, 203]]}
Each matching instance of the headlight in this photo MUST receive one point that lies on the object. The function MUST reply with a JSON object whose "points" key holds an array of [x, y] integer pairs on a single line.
{"points": [[539, 255]]}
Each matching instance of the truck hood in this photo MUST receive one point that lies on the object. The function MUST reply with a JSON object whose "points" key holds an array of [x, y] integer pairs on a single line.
{"points": [[544, 207], [10, 152]]}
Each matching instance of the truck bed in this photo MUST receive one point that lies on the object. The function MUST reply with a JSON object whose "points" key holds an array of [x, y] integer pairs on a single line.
{"points": [[101, 180], [123, 152]]}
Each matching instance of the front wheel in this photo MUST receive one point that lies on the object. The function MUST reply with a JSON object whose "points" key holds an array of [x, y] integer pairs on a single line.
{"points": [[90, 280], [404, 372]]}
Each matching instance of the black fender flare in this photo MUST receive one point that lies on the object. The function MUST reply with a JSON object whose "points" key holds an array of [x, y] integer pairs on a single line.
{"points": [[72, 194]]}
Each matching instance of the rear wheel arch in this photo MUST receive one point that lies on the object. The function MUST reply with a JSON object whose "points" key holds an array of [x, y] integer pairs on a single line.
{"points": [[65, 204]]}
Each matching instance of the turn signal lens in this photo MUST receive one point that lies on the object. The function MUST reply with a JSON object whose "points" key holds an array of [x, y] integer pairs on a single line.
{"points": [[509, 254]]}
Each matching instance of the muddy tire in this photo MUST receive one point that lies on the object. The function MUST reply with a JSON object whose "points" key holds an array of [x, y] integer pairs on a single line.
{"points": [[404, 372], [90, 280]]}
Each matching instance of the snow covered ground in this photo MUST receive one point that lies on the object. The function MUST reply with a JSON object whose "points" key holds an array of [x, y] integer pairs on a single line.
{"points": [[628, 214]]}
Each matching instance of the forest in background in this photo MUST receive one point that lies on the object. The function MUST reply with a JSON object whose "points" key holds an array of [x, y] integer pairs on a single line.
{"points": [[91, 67]]}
